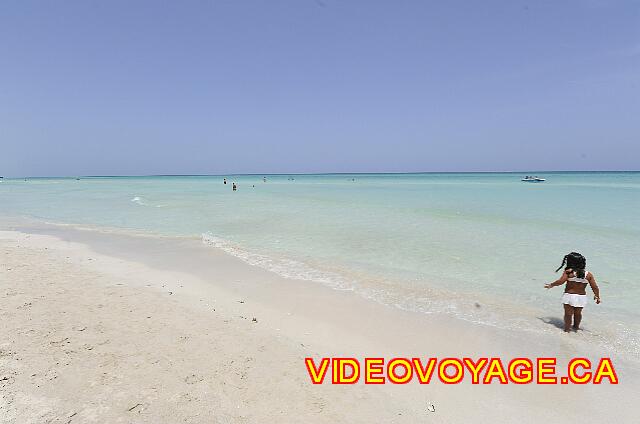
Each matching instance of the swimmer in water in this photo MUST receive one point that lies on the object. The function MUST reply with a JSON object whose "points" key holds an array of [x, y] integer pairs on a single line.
{"points": [[234, 187], [574, 298], [224, 181]]}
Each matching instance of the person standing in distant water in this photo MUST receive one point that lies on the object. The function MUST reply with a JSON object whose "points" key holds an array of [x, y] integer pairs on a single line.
{"points": [[264, 179], [575, 295], [224, 181], [234, 187]]}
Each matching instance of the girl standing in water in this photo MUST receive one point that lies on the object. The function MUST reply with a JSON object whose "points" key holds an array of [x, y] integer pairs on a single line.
{"points": [[575, 294]]}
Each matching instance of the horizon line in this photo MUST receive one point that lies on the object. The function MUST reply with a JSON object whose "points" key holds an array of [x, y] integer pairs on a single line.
{"points": [[324, 173]]}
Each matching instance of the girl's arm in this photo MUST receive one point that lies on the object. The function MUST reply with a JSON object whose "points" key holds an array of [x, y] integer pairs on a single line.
{"points": [[560, 281], [594, 286]]}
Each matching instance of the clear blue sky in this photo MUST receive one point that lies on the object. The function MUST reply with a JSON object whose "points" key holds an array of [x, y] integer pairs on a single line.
{"points": [[198, 87]]}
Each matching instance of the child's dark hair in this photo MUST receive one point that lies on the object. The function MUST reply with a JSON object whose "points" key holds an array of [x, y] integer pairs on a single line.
{"points": [[576, 262]]}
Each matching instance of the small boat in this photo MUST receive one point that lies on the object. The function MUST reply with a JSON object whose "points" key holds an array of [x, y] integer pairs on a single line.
{"points": [[530, 179]]}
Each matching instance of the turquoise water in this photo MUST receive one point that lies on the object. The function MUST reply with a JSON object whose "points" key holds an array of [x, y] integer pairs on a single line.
{"points": [[479, 246]]}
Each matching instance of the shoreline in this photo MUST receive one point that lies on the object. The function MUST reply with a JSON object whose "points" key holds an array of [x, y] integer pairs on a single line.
{"points": [[295, 318], [474, 308]]}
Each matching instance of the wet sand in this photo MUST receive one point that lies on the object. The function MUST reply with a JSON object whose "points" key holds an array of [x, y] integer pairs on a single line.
{"points": [[101, 327]]}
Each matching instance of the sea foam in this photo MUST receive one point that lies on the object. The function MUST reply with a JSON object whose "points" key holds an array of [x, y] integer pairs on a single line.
{"points": [[287, 268]]}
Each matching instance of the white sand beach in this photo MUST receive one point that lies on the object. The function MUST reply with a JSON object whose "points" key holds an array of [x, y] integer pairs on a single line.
{"points": [[100, 327], [205, 204]]}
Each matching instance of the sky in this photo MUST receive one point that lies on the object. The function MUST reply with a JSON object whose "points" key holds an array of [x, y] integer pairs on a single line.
{"points": [[215, 87]]}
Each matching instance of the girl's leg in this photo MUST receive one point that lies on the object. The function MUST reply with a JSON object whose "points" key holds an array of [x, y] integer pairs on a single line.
{"points": [[568, 317], [577, 317]]}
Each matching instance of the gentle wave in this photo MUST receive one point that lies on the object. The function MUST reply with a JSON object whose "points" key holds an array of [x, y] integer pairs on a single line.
{"points": [[427, 300], [140, 201], [286, 268]]}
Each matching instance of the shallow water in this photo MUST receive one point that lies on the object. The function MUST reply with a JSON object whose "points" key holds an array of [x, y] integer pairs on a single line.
{"points": [[479, 246]]}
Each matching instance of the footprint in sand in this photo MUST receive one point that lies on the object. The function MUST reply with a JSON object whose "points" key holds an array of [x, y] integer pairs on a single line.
{"points": [[192, 379], [7, 380], [51, 374]]}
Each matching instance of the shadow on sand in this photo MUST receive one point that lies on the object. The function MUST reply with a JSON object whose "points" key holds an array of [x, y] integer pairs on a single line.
{"points": [[556, 322]]}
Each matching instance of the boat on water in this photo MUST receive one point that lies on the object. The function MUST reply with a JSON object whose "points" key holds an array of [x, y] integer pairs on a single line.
{"points": [[530, 179]]}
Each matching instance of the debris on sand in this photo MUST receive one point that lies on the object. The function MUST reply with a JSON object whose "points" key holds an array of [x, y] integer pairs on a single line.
{"points": [[134, 407]]}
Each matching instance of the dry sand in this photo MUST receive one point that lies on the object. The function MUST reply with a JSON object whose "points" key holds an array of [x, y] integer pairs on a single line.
{"points": [[108, 328]]}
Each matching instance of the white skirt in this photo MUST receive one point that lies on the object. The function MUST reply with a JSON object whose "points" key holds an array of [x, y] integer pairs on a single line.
{"points": [[575, 300]]}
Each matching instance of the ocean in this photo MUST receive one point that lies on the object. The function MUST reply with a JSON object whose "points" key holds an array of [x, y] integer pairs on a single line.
{"points": [[477, 246]]}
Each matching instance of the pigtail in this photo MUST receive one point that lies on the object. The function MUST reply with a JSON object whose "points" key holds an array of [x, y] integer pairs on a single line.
{"points": [[564, 262], [576, 262]]}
